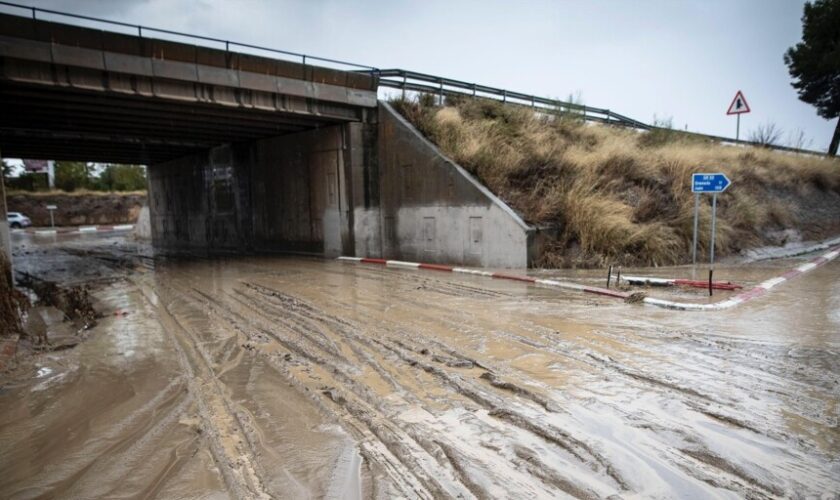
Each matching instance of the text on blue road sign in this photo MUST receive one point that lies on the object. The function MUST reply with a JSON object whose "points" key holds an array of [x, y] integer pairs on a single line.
{"points": [[709, 183]]}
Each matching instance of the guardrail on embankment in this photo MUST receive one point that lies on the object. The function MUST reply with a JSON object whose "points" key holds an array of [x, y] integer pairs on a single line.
{"points": [[403, 79], [420, 82]]}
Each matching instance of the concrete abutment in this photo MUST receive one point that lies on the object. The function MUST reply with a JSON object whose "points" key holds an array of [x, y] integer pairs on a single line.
{"points": [[374, 188]]}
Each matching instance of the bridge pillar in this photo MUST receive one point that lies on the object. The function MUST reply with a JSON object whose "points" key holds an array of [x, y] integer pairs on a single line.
{"points": [[5, 240]]}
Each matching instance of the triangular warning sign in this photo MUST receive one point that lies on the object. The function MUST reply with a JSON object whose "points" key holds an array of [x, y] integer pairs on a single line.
{"points": [[739, 105]]}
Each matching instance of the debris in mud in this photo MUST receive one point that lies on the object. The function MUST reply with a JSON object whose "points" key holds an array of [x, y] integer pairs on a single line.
{"points": [[13, 303], [635, 298], [75, 302]]}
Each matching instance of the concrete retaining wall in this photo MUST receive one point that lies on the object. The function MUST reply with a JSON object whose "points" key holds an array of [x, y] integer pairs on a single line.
{"points": [[433, 210]]}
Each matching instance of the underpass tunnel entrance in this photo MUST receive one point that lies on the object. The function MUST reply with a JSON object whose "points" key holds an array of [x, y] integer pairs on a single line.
{"points": [[286, 193], [243, 152], [219, 180]]}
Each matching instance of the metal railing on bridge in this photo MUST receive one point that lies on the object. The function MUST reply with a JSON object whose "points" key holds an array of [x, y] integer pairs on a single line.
{"points": [[140, 30], [439, 86], [419, 82]]}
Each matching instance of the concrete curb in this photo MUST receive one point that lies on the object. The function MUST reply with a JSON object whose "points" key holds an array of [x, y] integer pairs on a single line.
{"points": [[742, 297], [748, 295], [78, 230], [502, 276]]}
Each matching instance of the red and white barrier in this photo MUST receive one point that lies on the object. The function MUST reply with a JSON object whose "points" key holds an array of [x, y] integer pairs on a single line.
{"points": [[748, 295], [757, 291], [79, 230], [488, 274]]}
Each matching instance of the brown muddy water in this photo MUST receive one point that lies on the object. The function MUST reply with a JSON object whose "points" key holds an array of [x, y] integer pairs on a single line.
{"points": [[289, 377]]}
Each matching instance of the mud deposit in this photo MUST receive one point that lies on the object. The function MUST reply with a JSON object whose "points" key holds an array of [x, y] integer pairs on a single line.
{"points": [[295, 378]]}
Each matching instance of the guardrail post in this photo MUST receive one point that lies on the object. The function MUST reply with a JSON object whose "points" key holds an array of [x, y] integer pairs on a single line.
{"points": [[504, 96], [34, 16], [140, 31]]}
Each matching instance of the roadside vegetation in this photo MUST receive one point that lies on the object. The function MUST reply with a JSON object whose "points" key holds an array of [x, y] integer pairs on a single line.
{"points": [[72, 176], [623, 196]]}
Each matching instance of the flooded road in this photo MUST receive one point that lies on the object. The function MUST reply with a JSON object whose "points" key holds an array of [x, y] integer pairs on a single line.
{"points": [[279, 377]]}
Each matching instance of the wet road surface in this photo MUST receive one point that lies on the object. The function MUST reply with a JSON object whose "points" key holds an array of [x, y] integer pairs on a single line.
{"points": [[288, 377]]}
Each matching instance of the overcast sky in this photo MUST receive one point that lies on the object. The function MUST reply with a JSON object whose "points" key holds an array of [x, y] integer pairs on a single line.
{"points": [[673, 59]]}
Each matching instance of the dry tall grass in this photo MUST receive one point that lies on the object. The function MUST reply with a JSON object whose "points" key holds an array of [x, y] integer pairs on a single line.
{"points": [[622, 196]]}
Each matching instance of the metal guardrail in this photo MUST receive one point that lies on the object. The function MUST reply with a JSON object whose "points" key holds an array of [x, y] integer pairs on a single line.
{"points": [[421, 82], [227, 43], [435, 85], [425, 83]]}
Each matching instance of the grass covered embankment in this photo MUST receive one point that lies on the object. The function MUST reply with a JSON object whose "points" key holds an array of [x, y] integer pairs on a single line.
{"points": [[623, 196]]}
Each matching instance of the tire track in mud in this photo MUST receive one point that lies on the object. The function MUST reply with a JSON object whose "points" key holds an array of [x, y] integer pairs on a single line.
{"points": [[335, 352], [348, 331], [229, 443], [427, 282], [128, 434], [382, 442], [576, 448], [691, 397], [498, 408]]}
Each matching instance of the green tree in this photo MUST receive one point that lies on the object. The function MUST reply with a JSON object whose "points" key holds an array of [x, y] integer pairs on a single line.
{"points": [[122, 178], [814, 63], [71, 175]]}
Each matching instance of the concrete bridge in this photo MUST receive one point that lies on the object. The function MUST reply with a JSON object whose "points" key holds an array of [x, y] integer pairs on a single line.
{"points": [[247, 153]]}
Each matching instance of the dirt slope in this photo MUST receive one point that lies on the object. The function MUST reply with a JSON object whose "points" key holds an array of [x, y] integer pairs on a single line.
{"points": [[78, 209], [623, 196]]}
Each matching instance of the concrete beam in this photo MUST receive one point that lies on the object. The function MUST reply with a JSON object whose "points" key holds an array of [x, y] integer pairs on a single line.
{"points": [[51, 54]]}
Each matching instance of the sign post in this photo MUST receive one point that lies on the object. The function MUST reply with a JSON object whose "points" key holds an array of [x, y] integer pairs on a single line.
{"points": [[714, 184], [738, 107], [52, 208]]}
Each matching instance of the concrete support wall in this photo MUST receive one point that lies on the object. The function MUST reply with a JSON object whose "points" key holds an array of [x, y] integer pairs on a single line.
{"points": [[298, 194], [432, 210], [279, 194], [5, 239], [368, 188]]}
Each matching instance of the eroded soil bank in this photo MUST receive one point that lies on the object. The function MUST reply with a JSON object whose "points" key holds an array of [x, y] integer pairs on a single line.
{"points": [[291, 377], [78, 209]]}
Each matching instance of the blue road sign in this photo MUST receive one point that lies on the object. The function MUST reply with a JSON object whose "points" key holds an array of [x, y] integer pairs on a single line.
{"points": [[709, 183]]}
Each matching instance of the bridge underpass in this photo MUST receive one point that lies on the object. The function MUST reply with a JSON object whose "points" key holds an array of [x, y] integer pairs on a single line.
{"points": [[247, 153], [243, 152]]}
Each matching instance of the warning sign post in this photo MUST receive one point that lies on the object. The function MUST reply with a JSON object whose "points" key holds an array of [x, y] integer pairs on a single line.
{"points": [[738, 107]]}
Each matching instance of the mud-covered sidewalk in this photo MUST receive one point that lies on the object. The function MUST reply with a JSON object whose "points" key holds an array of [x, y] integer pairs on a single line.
{"points": [[292, 377]]}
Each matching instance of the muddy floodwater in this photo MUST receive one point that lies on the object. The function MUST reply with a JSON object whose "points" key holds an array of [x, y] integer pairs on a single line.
{"points": [[294, 377]]}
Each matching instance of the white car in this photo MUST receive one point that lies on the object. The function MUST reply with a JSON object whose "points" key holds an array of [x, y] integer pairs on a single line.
{"points": [[17, 220]]}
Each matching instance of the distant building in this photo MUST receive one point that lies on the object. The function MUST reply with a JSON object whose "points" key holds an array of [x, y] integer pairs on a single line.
{"points": [[41, 167]]}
